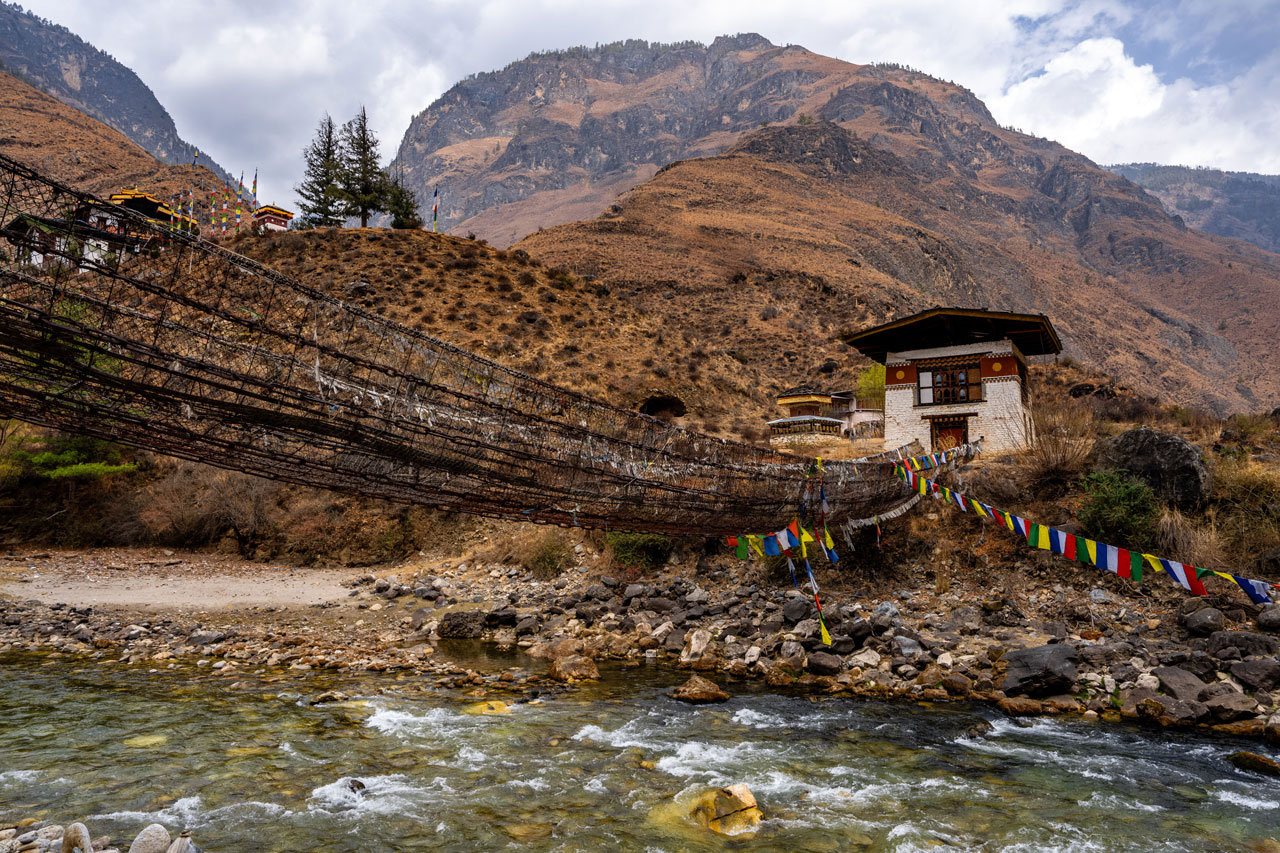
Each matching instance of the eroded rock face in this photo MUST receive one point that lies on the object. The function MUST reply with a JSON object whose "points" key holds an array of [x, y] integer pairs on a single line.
{"points": [[1173, 467], [1040, 671]]}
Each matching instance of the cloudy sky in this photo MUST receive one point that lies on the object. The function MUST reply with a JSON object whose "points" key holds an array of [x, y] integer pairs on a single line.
{"points": [[1194, 82]]}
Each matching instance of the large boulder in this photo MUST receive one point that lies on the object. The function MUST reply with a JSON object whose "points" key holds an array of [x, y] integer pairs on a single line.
{"points": [[573, 668], [1260, 674], [1247, 642], [1232, 706], [1179, 683], [1269, 619], [1254, 762], [1169, 712], [461, 625], [1205, 621], [824, 663], [1173, 467], [76, 839], [1040, 671], [727, 811], [695, 645], [699, 691], [153, 839]]}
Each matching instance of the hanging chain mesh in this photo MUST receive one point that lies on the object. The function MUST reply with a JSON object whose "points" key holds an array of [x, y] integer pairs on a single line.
{"points": [[120, 327]]}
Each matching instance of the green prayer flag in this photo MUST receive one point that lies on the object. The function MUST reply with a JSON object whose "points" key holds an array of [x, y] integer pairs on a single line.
{"points": [[1135, 566], [742, 548]]}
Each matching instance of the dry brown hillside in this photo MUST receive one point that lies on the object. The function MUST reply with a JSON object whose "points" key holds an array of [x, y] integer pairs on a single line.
{"points": [[81, 151], [766, 251], [609, 342]]}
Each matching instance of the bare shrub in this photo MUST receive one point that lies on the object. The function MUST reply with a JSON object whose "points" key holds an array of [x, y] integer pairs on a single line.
{"points": [[195, 504], [1188, 541], [1064, 439]]}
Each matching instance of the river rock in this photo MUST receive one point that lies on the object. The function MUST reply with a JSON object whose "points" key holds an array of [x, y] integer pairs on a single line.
{"points": [[153, 839], [727, 811], [824, 663], [461, 625], [695, 646], [1269, 619], [795, 610], [1205, 621], [867, 659], [573, 668], [1040, 671], [76, 839], [1256, 763], [1260, 674], [1173, 467], [699, 691], [205, 638], [1178, 683], [1272, 730], [1247, 642], [1169, 712], [183, 844], [1229, 707]]}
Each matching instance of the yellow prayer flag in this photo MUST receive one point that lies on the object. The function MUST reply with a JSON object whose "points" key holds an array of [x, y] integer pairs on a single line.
{"points": [[1153, 562]]}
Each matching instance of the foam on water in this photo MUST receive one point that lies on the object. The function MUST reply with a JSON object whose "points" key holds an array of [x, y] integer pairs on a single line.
{"points": [[715, 763], [435, 722], [393, 795], [18, 777], [627, 735], [1099, 799], [185, 812], [1244, 801]]}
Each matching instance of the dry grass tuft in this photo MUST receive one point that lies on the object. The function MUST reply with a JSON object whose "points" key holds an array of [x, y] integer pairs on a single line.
{"points": [[1064, 439], [1189, 541]]}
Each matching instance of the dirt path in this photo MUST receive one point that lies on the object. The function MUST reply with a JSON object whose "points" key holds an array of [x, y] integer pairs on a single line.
{"points": [[164, 580]]}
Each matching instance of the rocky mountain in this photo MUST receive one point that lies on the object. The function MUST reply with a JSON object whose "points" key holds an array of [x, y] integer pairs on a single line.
{"points": [[1243, 205], [81, 151], [556, 136], [765, 252], [60, 63]]}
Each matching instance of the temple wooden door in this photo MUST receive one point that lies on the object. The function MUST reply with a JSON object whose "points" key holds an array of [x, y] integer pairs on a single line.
{"points": [[949, 432]]}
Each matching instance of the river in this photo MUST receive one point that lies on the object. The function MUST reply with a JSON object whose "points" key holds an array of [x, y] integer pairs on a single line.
{"points": [[260, 769]]}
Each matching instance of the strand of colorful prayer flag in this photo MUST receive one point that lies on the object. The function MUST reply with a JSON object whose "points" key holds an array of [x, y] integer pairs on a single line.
{"points": [[1123, 562]]}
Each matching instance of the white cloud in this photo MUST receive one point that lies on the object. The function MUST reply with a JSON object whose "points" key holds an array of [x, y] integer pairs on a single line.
{"points": [[247, 81], [1095, 99]]}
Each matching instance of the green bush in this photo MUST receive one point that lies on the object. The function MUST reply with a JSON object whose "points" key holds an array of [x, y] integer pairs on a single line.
{"points": [[549, 556], [1119, 510], [646, 551], [89, 471]]}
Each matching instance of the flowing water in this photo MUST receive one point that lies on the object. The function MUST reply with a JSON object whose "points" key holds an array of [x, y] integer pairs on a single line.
{"points": [[596, 769]]}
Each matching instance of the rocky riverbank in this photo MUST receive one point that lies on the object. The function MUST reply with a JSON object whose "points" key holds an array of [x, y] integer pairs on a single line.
{"points": [[1105, 652], [76, 838]]}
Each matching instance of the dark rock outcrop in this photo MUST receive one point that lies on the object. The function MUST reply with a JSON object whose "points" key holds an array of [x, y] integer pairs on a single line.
{"points": [[1040, 671], [461, 625], [1173, 467]]}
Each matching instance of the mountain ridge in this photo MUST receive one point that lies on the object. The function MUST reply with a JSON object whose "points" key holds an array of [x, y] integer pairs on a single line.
{"points": [[53, 59]]}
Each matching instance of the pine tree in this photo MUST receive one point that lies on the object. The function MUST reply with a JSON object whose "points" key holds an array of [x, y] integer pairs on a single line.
{"points": [[402, 204], [363, 186], [322, 202]]}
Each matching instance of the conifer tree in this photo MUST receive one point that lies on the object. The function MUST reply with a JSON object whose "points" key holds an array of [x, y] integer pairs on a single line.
{"points": [[401, 202], [321, 199], [362, 181]]}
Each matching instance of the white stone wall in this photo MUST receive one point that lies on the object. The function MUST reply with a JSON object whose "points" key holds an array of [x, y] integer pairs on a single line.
{"points": [[1001, 417]]}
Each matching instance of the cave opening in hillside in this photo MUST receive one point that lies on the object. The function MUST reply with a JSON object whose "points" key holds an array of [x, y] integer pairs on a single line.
{"points": [[664, 406]]}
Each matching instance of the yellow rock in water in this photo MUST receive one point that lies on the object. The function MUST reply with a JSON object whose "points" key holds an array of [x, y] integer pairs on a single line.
{"points": [[247, 750], [492, 708], [144, 741], [728, 811]]}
